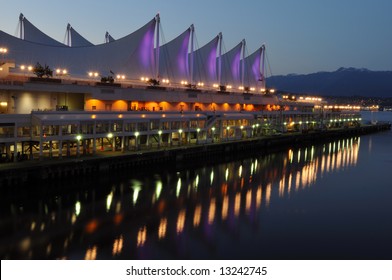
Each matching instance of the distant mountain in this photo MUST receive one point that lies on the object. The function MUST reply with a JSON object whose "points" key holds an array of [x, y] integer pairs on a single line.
{"points": [[342, 82]]}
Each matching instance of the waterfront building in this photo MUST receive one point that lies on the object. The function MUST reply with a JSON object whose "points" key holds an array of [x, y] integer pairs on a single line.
{"points": [[133, 93]]}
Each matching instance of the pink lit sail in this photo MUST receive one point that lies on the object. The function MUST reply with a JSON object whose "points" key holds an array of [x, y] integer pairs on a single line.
{"points": [[173, 62], [204, 67], [231, 66], [252, 69]]}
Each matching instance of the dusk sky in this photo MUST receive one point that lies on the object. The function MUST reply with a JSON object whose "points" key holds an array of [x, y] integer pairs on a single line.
{"points": [[301, 36]]}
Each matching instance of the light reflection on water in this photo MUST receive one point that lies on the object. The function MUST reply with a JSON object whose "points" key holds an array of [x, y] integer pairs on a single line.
{"points": [[209, 212]]}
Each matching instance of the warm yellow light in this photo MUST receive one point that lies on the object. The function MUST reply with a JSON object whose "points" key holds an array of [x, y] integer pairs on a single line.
{"points": [[241, 88], [29, 68], [93, 116], [58, 71], [136, 133], [3, 50], [120, 116], [271, 90], [22, 67], [110, 135], [252, 89], [3, 104], [90, 74], [215, 85]]}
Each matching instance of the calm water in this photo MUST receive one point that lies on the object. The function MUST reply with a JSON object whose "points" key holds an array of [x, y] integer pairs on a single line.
{"points": [[329, 201]]}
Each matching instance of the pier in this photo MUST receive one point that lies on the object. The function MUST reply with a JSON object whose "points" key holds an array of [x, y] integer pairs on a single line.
{"points": [[30, 172]]}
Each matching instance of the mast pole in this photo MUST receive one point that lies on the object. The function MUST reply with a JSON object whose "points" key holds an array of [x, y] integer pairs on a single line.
{"points": [[21, 17], [220, 59], [69, 35], [191, 56], [243, 63], [263, 82], [158, 20]]}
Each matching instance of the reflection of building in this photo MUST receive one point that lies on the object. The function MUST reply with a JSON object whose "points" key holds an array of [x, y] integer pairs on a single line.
{"points": [[148, 95], [146, 216]]}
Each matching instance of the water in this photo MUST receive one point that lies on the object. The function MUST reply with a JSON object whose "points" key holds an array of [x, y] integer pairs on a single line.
{"points": [[328, 201]]}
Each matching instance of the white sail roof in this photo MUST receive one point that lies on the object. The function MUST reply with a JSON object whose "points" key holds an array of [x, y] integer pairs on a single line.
{"points": [[132, 55], [75, 39], [252, 69], [231, 66], [33, 34], [204, 63], [173, 58]]}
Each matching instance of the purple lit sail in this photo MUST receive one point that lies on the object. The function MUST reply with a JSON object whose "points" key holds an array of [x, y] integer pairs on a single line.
{"points": [[231, 66], [173, 58], [252, 69], [146, 50], [204, 63], [182, 56]]}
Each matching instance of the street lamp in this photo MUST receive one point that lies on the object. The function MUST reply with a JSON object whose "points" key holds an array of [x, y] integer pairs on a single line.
{"points": [[92, 74], [180, 137], [213, 133], [136, 135], [159, 138], [3, 51], [78, 138], [197, 136]]}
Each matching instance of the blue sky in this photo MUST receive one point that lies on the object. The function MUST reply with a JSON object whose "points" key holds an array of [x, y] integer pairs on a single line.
{"points": [[301, 36]]}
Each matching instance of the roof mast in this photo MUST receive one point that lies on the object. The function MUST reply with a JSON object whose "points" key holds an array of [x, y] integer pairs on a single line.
{"points": [[263, 85], [21, 17], [69, 39], [191, 56], [243, 63], [220, 59], [158, 20]]}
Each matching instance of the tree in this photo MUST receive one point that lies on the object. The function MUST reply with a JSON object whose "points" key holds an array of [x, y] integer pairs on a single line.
{"points": [[41, 71], [109, 79], [153, 82]]}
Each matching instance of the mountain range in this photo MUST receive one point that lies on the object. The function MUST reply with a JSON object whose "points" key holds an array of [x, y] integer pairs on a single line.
{"points": [[342, 82]]}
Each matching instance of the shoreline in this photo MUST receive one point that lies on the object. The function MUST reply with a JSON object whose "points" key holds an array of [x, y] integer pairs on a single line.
{"points": [[30, 172]]}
